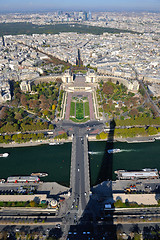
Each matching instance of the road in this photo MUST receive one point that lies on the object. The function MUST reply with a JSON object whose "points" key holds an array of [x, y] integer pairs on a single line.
{"points": [[79, 178], [140, 227], [11, 211], [149, 98], [79, 182]]}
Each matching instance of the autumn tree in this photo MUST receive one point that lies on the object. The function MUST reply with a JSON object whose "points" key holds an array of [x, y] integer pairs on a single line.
{"points": [[33, 204], [4, 113], [108, 88], [103, 135], [42, 98], [18, 116], [134, 112], [23, 100], [44, 105], [53, 107]]}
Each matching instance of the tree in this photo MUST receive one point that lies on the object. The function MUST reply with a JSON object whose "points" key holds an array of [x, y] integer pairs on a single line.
{"points": [[103, 135], [18, 116], [137, 236], [97, 136], [11, 116], [55, 102], [7, 137], [42, 98], [33, 103], [152, 131], [59, 80], [4, 113], [17, 96], [134, 112], [53, 107], [9, 127], [14, 138], [33, 204], [40, 135], [51, 126], [15, 103], [106, 107], [1, 138], [45, 112], [45, 125], [20, 136], [23, 100], [34, 88], [108, 88], [44, 105]]}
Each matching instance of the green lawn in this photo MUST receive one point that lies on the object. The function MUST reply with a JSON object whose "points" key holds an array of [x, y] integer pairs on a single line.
{"points": [[79, 110], [72, 109], [79, 121], [86, 108]]}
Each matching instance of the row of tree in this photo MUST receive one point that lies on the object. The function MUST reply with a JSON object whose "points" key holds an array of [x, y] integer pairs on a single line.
{"points": [[23, 127], [60, 100], [61, 136], [21, 137], [138, 121], [22, 204], [131, 132]]}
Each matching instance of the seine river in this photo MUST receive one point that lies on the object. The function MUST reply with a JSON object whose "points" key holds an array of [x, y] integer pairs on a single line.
{"points": [[55, 160]]}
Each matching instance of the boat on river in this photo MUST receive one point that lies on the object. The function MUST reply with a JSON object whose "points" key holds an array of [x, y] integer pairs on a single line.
{"points": [[157, 138], [39, 174], [2, 180], [4, 154], [55, 143], [114, 150], [145, 173]]}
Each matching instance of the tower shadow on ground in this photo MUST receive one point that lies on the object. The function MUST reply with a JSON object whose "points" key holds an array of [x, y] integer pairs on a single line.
{"points": [[97, 222], [106, 170]]}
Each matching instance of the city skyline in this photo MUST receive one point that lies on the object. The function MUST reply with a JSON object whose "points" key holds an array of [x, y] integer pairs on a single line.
{"points": [[102, 5]]}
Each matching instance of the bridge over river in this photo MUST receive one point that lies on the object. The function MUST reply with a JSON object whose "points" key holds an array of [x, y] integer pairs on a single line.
{"points": [[79, 177], [75, 208], [79, 180]]}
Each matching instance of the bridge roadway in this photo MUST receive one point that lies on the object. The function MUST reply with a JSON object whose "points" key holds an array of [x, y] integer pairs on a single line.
{"points": [[79, 177]]}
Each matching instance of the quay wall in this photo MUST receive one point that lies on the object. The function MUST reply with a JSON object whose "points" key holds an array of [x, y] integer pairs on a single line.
{"points": [[22, 198]]}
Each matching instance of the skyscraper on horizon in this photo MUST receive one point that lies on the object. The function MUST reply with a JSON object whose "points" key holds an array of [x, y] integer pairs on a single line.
{"points": [[89, 16], [85, 16]]}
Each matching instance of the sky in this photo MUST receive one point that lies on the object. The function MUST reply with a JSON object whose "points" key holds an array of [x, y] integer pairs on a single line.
{"points": [[99, 5]]}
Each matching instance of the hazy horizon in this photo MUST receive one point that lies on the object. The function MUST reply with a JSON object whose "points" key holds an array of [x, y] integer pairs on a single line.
{"points": [[71, 5]]}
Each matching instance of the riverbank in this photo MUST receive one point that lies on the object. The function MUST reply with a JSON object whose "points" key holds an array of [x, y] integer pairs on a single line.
{"points": [[129, 140], [33, 143], [90, 138], [139, 139]]}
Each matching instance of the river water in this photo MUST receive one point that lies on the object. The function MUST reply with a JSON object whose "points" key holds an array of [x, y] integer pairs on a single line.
{"points": [[55, 160]]}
